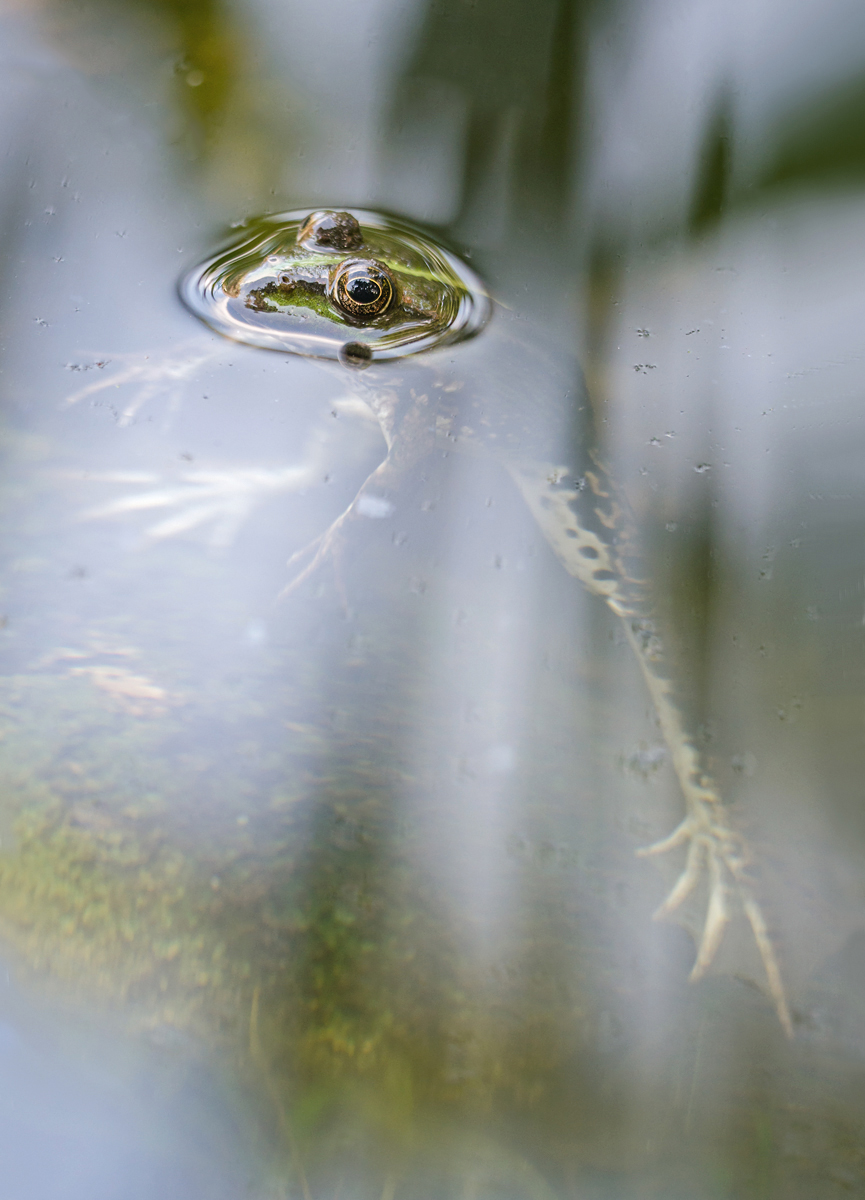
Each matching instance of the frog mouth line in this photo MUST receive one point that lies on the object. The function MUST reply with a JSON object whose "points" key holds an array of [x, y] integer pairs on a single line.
{"points": [[350, 285]]}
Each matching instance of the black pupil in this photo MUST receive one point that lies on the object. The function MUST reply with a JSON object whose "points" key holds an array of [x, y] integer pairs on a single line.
{"points": [[363, 291]]}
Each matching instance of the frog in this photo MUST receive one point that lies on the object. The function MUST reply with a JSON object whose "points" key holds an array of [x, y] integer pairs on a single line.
{"points": [[366, 293], [319, 284]]}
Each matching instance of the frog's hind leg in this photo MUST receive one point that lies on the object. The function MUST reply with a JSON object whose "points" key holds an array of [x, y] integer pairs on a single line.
{"points": [[587, 524], [714, 847]]}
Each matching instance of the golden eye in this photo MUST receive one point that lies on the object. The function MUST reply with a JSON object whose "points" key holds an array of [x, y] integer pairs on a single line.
{"points": [[363, 290]]}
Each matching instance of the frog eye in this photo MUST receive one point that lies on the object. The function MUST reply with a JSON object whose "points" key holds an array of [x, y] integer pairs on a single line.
{"points": [[363, 290]]}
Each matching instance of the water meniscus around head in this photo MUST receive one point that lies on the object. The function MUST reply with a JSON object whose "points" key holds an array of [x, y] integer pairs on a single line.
{"points": [[351, 284]]}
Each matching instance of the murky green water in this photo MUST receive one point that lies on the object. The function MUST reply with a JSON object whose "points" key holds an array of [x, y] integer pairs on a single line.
{"points": [[332, 892]]}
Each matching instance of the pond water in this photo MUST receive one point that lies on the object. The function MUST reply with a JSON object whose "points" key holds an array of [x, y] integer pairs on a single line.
{"points": [[318, 859]]}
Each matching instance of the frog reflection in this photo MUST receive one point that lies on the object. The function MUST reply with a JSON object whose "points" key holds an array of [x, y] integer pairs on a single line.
{"points": [[360, 287]]}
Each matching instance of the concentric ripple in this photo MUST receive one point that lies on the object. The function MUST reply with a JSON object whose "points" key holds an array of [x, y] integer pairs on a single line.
{"points": [[346, 284]]}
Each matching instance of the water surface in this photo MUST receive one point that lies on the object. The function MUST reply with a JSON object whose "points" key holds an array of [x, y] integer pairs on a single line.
{"points": [[336, 893]]}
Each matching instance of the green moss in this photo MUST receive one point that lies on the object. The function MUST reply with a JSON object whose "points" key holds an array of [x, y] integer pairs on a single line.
{"points": [[308, 943], [271, 298]]}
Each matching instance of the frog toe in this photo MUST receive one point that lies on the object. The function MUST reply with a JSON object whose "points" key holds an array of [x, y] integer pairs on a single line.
{"points": [[686, 882], [713, 849], [715, 926]]}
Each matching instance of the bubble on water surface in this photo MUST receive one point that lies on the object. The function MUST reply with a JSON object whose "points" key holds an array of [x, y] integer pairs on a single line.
{"points": [[349, 285]]}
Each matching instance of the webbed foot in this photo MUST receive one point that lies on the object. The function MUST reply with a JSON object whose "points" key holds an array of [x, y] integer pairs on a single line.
{"points": [[160, 375], [717, 850]]}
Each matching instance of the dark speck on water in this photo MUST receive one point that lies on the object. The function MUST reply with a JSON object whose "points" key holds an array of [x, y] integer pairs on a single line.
{"points": [[354, 354]]}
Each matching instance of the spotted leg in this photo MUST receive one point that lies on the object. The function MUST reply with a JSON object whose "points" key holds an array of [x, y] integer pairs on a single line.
{"points": [[713, 845], [588, 528]]}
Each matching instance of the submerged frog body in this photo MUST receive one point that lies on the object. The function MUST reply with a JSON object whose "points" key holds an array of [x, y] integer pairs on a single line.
{"points": [[361, 287]]}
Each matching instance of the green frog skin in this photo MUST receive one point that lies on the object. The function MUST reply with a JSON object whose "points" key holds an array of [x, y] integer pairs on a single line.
{"points": [[359, 288]]}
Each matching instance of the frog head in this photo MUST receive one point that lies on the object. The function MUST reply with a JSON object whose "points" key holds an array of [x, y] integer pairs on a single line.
{"points": [[346, 284]]}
